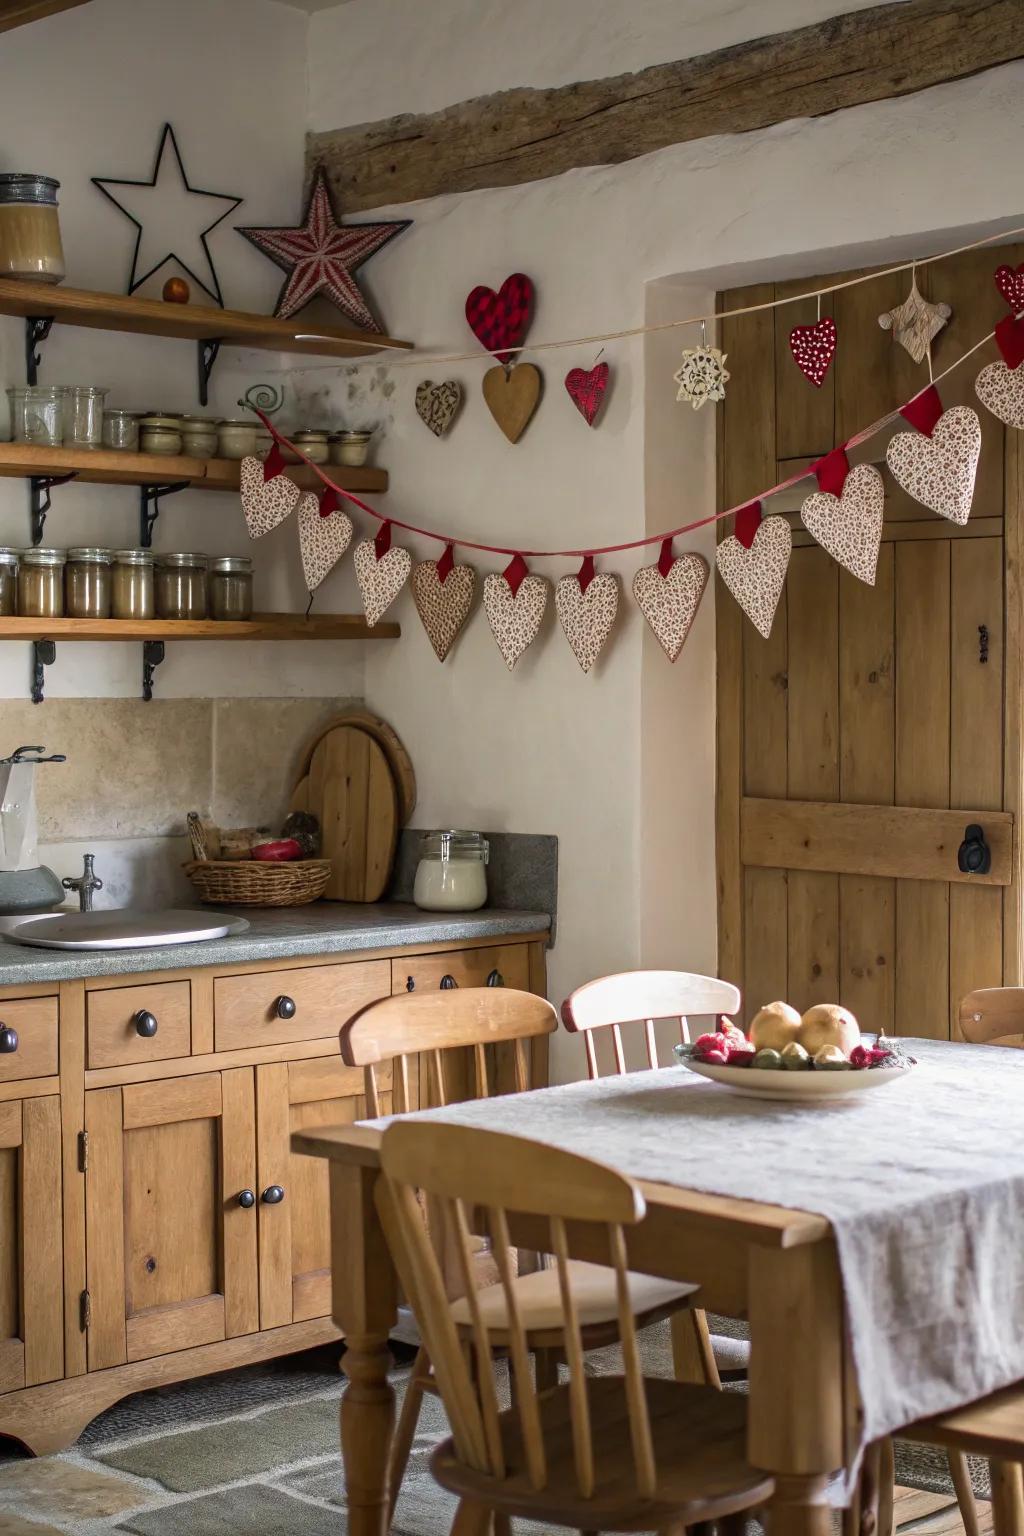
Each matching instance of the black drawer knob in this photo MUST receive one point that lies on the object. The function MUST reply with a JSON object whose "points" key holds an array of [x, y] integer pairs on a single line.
{"points": [[285, 1007], [8, 1040], [145, 1024], [495, 979], [247, 1199], [447, 983], [272, 1196]]}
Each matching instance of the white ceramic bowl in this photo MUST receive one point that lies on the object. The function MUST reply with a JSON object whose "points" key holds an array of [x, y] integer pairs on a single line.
{"points": [[797, 1087]]}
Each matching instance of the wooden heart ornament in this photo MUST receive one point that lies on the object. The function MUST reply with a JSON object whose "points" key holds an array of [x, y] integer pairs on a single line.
{"points": [[938, 470], [849, 526], [512, 395], [437, 405], [813, 348], [501, 320], [323, 538], [514, 604], [586, 607], [668, 596], [266, 499], [380, 581], [443, 606], [756, 576], [586, 387]]}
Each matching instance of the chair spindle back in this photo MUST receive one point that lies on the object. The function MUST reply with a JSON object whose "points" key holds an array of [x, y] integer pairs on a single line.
{"points": [[631, 997]]}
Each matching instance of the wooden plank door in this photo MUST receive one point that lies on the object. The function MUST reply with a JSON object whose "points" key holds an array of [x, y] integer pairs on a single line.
{"points": [[170, 1248], [31, 1244], [859, 740]]}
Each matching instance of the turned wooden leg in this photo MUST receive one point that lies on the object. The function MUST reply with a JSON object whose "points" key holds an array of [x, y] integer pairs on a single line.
{"points": [[887, 1487], [1007, 1498], [405, 1434], [964, 1488], [367, 1422], [471, 1520], [800, 1507], [693, 1358]]}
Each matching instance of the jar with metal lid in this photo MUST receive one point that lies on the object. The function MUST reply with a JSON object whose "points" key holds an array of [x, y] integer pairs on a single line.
{"points": [[160, 434], [41, 583], [87, 584], [313, 443], [350, 448], [231, 587], [121, 430], [37, 414], [452, 872], [83, 415], [9, 582], [132, 594], [199, 436], [236, 439], [181, 586], [30, 243]]}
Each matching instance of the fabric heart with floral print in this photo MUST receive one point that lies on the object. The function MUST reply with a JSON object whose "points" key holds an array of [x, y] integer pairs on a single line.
{"points": [[268, 496], [380, 580], [938, 470], [322, 540], [849, 526], [514, 603], [669, 599], [756, 576], [443, 606], [586, 610]]}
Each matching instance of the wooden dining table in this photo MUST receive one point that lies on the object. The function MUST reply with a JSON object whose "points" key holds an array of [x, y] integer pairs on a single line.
{"points": [[776, 1267]]}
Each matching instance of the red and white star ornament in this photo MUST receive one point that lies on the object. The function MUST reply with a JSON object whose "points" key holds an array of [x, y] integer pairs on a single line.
{"points": [[382, 570], [321, 254], [937, 462]]}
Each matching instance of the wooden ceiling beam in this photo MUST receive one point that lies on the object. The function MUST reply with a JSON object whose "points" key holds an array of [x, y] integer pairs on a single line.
{"points": [[18, 13], [525, 135]]}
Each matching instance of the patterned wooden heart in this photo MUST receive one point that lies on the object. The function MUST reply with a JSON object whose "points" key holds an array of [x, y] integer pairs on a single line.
{"points": [[756, 576], [849, 526], [512, 397], [1011, 285], [380, 581], [1001, 390], [586, 388], [438, 404], [669, 603], [265, 502], [939, 471], [322, 540], [587, 617], [500, 320], [515, 620], [813, 348], [443, 606]]}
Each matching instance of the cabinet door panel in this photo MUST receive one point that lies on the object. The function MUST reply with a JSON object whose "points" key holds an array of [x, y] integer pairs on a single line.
{"points": [[31, 1244]]}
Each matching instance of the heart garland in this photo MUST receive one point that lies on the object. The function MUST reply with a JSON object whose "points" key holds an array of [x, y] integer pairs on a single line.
{"points": [[437, 405], [813, 348], [382, 570], [1011, 285], [325, 532], [512, 395], [756, 576], [443, 594], [268, 495], [586, 387], [668, 595], [848, 526], [587, 605], [515, 603], [501, 320], [1000, 386], [937, 463]]}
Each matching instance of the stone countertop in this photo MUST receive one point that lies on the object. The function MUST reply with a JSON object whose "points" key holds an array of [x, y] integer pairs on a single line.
{"points": [[329, 928]]}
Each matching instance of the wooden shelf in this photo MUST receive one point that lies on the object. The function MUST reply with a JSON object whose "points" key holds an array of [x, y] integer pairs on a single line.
{"points": [[106, 466], [262, 626]]}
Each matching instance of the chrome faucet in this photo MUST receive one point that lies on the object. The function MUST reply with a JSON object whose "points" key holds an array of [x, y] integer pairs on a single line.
{"points": [[84, 884]]}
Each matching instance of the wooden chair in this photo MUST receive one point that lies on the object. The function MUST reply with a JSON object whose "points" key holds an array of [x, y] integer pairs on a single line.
{"points": [[633, 997], [993, 1427], [993, 1016], [615, 1453], [425, 1027]]}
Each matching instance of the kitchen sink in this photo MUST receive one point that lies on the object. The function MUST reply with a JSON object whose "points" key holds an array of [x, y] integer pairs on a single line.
{"points": [[121, 929]]}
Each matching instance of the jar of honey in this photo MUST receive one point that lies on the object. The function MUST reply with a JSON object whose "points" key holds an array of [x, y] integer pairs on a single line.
{"points": [[30, 243]]}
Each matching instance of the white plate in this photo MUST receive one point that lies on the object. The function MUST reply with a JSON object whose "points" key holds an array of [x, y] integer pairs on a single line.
{"points": [[116, 929], [801, 1087]]}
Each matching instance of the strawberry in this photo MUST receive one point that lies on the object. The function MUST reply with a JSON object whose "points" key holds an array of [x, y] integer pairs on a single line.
{"points": [[707, 1043], [714, 1058], [741, 1055]]}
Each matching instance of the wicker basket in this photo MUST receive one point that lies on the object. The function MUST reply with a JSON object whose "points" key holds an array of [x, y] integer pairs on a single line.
{"points": [[251, 883]]}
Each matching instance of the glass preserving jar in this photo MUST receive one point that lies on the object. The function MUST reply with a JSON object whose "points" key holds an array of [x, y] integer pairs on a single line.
{"points": [[87, 584], [132, 587], [313, 443], [451, 875], [350, 448], [160, 434], [83, 415], [37, 414], [236, 439], [181, 586], [8, 582], [231, 587], [199, 436], [30, 243], [121, 430], [41, 583]]}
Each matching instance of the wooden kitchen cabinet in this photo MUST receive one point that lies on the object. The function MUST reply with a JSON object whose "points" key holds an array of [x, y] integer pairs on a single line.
{"points": [[154, 1221]]}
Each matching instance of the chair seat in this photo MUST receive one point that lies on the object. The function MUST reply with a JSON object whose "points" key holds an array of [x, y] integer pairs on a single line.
{"points": [[699, 1446], [993, 1426], [539, 1300]]}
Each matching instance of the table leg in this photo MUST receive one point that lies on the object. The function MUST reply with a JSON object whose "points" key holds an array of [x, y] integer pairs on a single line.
{"points": [[365, 1307]]}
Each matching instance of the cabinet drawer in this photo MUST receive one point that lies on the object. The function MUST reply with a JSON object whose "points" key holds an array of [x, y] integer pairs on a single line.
{"points": [[34, 1021], [466, 967], [278, 1007], [117, 1027]]}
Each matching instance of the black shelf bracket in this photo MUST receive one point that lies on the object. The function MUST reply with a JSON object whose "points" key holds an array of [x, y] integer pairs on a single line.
{"points": [[149, 506], [207, 357], [39, 501], [44, 654], [37, 328], [152, 656]]}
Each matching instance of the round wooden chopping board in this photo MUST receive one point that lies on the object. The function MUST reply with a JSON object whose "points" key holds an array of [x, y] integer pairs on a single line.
{"points": [[387, 739], [350, 788]]}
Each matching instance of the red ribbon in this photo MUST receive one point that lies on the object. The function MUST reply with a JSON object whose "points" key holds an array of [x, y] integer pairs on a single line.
{"points": [[666, 558], [586, 573], [831, 471], [516, 572], [382, 543], [1010, 340], [748, 521], [444, 565], [328, 501], [273, 464], [924, 410]]}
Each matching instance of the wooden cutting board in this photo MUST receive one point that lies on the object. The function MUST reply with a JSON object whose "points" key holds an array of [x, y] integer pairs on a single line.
{"points": [[387, 739], [350, 788]]}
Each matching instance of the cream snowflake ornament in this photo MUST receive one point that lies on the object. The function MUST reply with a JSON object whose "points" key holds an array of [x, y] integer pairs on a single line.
{"points": [[702, 374]]}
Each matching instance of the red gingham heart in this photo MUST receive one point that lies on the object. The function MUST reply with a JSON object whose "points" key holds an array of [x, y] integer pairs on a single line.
{"points": [[586, 389], [1011, 286], [501, 320], [813, 348]]}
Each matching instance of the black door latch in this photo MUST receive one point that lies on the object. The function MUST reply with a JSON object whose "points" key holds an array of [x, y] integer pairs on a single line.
{"points": [[974, 856]]}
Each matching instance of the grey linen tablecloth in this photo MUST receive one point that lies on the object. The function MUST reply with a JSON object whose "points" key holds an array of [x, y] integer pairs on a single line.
{"points": [[923, 1182]]}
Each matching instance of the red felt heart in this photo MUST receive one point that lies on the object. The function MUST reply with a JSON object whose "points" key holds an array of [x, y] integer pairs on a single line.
{"points": [[1010, 340], [813, 348], [1011, 285], [586, 389], [501, 320]]}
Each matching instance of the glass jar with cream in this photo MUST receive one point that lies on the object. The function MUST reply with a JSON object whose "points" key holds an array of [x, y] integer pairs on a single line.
{"points": [[452, 872]]}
